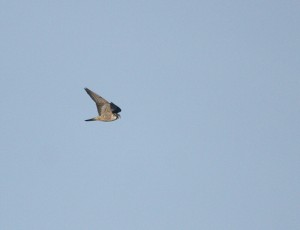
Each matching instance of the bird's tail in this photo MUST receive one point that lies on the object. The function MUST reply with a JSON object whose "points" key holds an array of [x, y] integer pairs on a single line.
{"points": [[92, 119]]}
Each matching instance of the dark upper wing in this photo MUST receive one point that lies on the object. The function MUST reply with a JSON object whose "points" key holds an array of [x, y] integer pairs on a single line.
{"points": [[100, 101], [114, 108]]}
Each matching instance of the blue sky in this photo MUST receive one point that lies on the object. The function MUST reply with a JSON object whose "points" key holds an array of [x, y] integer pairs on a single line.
{"points": [[209, 135]]}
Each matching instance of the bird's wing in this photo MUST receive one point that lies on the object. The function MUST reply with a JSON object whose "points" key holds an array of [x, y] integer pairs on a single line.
{"points": [[100, 101], [105, 109], [114, 108]]}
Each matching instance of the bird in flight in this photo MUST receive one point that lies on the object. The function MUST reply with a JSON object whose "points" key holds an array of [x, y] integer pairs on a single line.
{"points": [[107, 111]]}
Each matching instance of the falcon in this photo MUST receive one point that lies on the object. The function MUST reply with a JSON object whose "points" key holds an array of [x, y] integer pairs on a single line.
{"points": [[108, 111]]}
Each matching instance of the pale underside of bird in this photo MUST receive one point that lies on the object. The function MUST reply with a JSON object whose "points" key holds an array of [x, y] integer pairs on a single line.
{"points": [[107, 111]]}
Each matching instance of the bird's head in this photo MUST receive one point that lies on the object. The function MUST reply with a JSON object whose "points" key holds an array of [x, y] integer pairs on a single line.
{"points": [[117, 116]]}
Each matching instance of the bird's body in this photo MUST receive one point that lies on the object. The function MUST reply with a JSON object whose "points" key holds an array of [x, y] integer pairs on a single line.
{"points": [[107, 111]]}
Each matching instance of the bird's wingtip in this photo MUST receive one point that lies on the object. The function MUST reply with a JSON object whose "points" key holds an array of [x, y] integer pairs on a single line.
{"points": [[92, 119]]}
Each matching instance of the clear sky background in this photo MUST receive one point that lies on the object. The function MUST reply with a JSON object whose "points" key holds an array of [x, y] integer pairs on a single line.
{"points": [[210, 130]]}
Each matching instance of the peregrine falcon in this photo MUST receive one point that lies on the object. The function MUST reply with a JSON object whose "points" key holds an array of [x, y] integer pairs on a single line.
{"points": [[108, 111]]}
